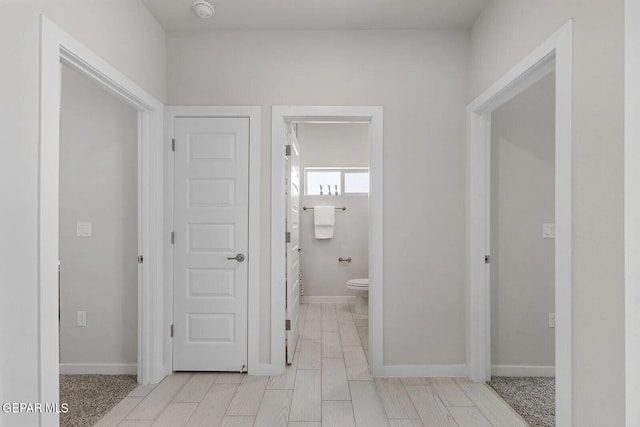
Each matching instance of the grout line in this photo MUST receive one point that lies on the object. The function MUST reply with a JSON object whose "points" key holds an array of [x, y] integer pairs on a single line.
{"points": [[404, 387], [260, 405], [290, 403]]}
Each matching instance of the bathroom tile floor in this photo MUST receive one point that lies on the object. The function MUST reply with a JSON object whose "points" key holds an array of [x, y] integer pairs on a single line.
{"points": [[328, 384]]}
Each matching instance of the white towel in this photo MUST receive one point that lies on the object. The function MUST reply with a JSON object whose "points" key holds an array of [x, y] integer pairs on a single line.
{"points": [[324, 219]]}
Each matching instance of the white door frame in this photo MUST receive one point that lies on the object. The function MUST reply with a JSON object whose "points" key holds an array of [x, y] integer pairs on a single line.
{"points": [[254, 367], [554, 53], [280, 116], [632, 211], [56, 46]]}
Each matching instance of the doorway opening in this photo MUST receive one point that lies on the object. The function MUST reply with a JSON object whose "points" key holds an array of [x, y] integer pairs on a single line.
{"points": [[327, 223], [98, 288], [284, 119], [58, 47], [552, 56], [522, 252]]}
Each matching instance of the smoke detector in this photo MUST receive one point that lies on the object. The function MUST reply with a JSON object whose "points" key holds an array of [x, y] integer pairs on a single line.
{"points": [[203, 9]]}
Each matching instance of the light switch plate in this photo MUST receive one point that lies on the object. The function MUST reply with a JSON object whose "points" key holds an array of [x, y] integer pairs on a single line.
{"points": [[548, 231], [84, 229], [81, 318]]}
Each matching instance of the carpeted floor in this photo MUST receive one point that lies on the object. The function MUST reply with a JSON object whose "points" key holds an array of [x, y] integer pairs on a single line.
{"points": [[90, 397], [531, 397]]}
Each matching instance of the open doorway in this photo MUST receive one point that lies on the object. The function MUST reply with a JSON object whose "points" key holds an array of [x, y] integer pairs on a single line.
{"points": [[554, 55], [98, 287], [327, 251], [287, 123], [522, 252], [59, 48]]}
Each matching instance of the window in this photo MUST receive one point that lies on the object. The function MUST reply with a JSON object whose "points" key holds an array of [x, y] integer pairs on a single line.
{"points": [[356, 182], [334, 181], [320, 182]]}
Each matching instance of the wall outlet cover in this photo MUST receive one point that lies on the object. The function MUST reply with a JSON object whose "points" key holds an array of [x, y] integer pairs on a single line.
{"points": [[84, 229], [81, 318], [552, 320], [548, 231]]}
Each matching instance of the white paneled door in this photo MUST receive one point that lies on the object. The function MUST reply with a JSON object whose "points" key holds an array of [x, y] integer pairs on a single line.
{"points": [[210, 244], [293, 245]]}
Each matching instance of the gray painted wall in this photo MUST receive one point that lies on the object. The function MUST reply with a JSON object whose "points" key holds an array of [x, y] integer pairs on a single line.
{"points": [[522, 199], [419, 78], [98, 184], [336, 145]]}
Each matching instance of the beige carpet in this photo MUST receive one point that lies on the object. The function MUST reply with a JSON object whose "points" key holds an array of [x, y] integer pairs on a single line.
{"points": [[90, 397], [531, 397]]}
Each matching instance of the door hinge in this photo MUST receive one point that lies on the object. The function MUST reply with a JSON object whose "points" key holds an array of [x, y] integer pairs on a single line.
{"points": [[171, 331], [487, 259], [287, 237], [287, 325], [173, 144], [173, 237], [287, 150], [140, 261]]}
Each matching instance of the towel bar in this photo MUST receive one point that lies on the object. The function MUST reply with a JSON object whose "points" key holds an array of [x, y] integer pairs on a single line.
{"points": [[304, 208]]}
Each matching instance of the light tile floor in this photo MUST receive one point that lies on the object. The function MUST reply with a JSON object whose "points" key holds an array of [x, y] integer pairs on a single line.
{"points": [[328, 384]]}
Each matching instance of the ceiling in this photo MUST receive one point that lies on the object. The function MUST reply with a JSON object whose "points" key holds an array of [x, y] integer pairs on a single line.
{"points": [[178, 15]]}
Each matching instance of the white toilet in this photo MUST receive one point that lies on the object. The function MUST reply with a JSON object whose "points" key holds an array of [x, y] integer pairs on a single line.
{"points": [[361, 287]]}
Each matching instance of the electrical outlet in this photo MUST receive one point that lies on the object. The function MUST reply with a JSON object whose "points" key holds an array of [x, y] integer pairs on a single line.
{"points": [[84, 229], [548, 231], [552, 320], [81, 318]]}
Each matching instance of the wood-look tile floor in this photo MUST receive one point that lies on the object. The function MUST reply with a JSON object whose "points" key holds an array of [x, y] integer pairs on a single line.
{"points": [[328, 384]]}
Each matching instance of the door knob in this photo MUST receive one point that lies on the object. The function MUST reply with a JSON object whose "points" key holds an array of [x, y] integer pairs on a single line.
{"points": [[239, 257]]}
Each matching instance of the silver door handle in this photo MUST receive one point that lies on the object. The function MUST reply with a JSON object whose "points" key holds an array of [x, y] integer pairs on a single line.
{"points": [[239, 257]]}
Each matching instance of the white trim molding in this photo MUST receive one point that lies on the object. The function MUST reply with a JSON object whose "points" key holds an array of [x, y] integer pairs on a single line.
{"points": [[432, 371], [347, 299], [98, 369], [555, 53], [280, 116], [632, 211], [523, 371], [253, 113], [56, 47]]}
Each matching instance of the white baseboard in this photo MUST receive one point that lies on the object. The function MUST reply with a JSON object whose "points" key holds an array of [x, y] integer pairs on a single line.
{"points": [[98, 368], [347, 299], [424, 371], [523, 371]]}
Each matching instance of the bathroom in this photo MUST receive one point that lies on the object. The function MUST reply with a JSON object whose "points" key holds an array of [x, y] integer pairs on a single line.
{"points": [[334, 172]]}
